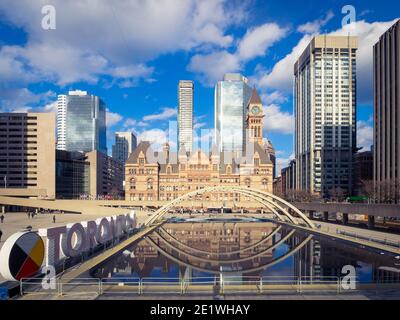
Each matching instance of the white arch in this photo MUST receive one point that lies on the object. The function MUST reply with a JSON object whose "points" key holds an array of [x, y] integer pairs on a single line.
{"points": [[271, 201]]}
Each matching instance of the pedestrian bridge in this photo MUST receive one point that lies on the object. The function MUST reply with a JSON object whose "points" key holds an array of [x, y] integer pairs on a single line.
{"points": [[282, 210]]}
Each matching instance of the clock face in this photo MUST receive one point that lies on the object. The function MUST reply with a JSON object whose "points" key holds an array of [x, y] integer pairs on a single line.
{"points": [[255, 110]]}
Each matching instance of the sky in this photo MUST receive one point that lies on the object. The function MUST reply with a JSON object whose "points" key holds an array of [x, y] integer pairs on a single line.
{"points": [[132, 53]]}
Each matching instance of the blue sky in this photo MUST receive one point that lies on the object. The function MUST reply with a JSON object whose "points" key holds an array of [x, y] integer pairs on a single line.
{"points": [[133, 53]]}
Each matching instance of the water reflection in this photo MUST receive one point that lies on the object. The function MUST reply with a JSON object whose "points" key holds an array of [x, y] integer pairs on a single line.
{"points": [[198, 249]]}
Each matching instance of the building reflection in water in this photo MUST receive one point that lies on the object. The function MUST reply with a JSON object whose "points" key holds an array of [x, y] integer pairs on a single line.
{"points": [[205, 249]]}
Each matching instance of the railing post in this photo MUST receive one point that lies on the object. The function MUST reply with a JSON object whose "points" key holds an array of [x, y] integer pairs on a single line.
{"points": [[20, 288], [60, 289]]}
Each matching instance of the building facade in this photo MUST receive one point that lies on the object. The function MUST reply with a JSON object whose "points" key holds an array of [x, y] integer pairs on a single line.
{"points": [[81, 122], [185, 114], [106, 175], [325, 115], [125, 144], [363, 172], [91, 175], [387, 115], [231, 99], [72, 175], [27, 154], [166, 175]]}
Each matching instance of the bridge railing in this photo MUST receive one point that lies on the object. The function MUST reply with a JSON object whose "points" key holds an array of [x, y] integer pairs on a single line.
{"points": [[94, 287], [380, 240]]}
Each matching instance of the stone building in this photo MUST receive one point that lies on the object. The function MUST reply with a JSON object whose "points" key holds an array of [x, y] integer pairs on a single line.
{"points": [[165, 175]]}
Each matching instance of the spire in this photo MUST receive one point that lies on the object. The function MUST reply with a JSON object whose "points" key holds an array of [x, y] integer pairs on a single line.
{"points": [[255, 98]]}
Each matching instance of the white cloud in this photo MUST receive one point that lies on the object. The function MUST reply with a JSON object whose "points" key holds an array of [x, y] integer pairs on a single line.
{"points": [[165, 114], [22, 99], [277, 120], [281, 75], [365, 135], [114, 38], [274, 97], [112, 118], [315, 26], [257, 40], [213, 66]]}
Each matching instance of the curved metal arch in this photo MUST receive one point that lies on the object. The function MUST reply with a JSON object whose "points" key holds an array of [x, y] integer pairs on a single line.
{"points": [[268, 237], [269, 204], [255, 194], [262, 267], [258, 254], [289, 205], [159, 213]]}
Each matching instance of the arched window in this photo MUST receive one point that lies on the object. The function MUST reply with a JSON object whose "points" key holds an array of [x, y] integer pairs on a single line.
{"points": [[132, 184], [149, 184], [247, 182], [264, 183]]}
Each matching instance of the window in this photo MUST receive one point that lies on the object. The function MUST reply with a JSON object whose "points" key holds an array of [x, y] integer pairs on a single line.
{"points": [[132, 184], [149, 184]]}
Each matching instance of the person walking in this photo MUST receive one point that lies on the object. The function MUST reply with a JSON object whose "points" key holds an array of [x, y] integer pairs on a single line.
{"points": [[1, 233], [28, 214], [54, 219], [2, 218]]}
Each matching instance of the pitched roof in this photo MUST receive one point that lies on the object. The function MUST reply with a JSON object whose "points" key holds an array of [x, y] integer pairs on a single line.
{"points": [[255, 98]]}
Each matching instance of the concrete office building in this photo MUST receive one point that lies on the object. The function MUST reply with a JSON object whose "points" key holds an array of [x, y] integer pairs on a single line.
{"points": [[125, 144], [231, 97], [88, 175], [325, 115], [27, 154], [81, 122], [387, 115], [106, 175], [185, 114]]}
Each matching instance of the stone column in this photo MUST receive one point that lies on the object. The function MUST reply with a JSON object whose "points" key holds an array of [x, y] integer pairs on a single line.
{"points": [[371, 222], [3, 209]]}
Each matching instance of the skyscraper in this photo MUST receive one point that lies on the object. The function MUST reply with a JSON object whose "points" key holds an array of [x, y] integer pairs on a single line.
{"points": [[81, 122], [231, 97], [325, 115], [387, 114], [125, 144], [185, 114], [61, 121]]}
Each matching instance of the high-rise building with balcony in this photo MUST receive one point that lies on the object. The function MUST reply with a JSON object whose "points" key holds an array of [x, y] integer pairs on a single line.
{"points": [[325, 115], [125, 144], [387, 115], [232, 95], [185, 114], [81, 122]]}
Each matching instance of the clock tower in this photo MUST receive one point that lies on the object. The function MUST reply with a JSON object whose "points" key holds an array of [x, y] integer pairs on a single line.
{"points": [[254, 120]]}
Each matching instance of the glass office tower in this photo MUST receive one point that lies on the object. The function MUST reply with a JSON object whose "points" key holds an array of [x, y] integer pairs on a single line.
{"points": [[85, 123], [231, 99]]}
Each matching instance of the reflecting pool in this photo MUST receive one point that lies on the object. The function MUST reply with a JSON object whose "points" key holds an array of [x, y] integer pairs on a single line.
{"points": [[246, 248]]}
